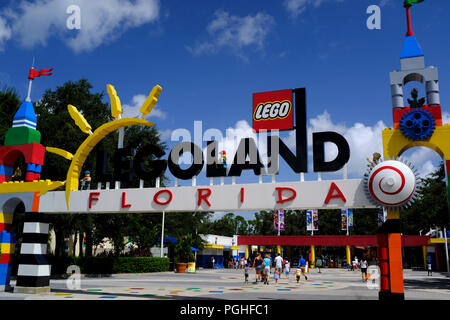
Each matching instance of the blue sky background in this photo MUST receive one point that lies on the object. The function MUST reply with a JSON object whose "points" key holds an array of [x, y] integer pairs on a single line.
{"points": [[210, 56]]}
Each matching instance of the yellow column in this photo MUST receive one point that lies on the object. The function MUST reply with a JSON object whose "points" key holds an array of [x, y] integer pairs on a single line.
{"points": [[246, 252], [349, 257], [279, 249], [424, 251], [313, 256]]}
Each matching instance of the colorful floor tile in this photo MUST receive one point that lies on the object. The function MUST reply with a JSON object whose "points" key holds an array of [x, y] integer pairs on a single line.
{"points": [[215, 291], [283, 289], [107, 297], [94, 290]]}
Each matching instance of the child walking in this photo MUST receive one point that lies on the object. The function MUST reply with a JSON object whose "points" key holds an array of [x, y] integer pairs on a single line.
{"points": [[298, 273], [246, 272], [276, 275], [287, 267]]}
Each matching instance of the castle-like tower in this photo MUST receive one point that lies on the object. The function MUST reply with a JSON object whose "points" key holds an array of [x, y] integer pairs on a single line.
{"points": [[22, 139]]}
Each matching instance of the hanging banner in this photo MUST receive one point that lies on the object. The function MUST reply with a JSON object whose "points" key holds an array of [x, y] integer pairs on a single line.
{"points": [[276, 215], [350, 219], [344, 215], [312, 220], [308, 220], [315, 219], [381, 216]]}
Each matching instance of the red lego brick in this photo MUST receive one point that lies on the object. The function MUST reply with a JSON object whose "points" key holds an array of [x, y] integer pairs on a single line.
{"points": [[435, 111], [33, 153]]}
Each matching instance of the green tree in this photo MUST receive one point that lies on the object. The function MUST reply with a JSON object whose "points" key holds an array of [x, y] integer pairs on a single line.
{"points": [[431, 208], [9, 104]]}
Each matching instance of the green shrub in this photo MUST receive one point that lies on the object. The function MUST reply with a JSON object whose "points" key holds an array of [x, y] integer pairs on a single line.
{"points": [[109, 265]]}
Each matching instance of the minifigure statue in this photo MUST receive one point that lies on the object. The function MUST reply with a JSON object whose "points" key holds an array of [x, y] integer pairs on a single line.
{"points": [[375, 157], [86, 181]]}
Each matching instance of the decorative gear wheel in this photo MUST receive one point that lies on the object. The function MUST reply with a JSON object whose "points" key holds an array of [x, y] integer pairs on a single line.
{"points": [[417, 124], [392, 183]]}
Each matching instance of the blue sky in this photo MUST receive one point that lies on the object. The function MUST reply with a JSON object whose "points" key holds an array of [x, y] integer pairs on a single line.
{"points": [[210, 56]]}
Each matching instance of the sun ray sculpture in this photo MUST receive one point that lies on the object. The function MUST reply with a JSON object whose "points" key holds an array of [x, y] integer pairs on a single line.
{"points": [[78, 159]]}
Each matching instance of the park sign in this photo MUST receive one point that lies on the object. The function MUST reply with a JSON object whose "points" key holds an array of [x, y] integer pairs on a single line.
{"points": [[247, 156], [235, 197]]}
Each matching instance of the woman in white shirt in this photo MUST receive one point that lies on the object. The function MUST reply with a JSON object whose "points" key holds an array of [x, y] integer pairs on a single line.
{"points": [[364, 269]]}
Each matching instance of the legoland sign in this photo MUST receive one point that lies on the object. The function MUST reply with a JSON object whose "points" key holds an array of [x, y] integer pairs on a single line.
{"points": [[335, 194], [257, 196], [247, 156]]}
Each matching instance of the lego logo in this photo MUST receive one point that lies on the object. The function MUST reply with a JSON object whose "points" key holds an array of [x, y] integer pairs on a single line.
{"points": [[269, 110]]}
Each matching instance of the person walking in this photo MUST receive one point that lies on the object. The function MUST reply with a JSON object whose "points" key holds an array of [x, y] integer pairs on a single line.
{"points": [[276, 275], [363, 269], [302, 265], [267, 262], [319, 263], [287, 267], [279, 262], [246, 272], [429, 269], [257, 264]]}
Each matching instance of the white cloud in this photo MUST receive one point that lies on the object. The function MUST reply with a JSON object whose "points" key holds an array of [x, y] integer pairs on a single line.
{"points": [[132, 110], [5, 33], [445, 117], [165, 134], [235, 33], [34, 23], [297, 7]]}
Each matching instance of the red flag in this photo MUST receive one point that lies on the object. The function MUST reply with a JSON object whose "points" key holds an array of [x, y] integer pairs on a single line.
{"points": [[37, 73]]}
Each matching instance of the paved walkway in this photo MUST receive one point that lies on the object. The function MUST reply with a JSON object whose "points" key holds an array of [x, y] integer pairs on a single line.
{"points": [[207, 284]]}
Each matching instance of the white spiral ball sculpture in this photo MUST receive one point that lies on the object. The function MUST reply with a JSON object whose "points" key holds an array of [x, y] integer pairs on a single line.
{"points": [[392, 183]]}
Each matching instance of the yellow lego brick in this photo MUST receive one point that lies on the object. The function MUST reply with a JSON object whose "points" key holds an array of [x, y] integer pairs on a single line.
{"points": [[395, 143], [40, 186], [6, 217], [7, 248]]}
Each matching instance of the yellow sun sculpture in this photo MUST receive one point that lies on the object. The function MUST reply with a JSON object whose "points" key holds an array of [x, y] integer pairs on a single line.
{"points": [[78, 159]]}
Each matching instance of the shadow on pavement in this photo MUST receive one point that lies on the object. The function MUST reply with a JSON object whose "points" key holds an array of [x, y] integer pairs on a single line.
{"points": [[429, 283]]}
